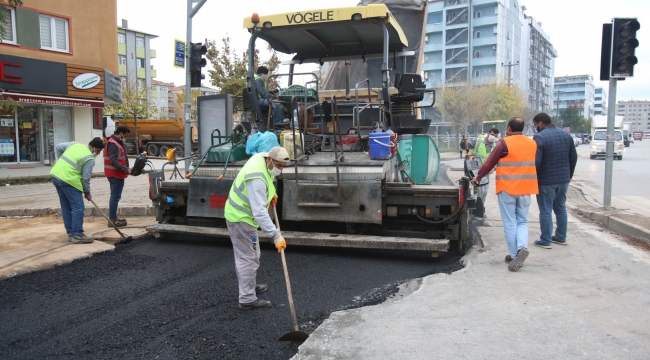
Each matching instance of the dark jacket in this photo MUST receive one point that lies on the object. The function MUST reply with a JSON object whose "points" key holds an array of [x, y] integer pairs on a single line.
{"points": [[114, 153], [556, 156]]}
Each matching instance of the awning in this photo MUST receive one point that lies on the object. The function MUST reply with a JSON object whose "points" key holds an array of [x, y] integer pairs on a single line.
{"points": [[52, 100]]}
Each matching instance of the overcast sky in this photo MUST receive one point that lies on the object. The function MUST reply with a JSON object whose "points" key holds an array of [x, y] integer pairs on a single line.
{"points": [[574, 27]]}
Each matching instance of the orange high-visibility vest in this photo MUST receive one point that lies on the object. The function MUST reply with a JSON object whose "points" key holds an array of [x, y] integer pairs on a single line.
{"points": [[516, 173]]}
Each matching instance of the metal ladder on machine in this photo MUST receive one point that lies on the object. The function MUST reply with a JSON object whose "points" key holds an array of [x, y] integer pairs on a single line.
{"points": [[337, 160]]}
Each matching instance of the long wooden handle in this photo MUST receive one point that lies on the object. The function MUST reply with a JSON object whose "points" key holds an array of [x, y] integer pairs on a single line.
{"points": [[294, 319], [109, 220]]}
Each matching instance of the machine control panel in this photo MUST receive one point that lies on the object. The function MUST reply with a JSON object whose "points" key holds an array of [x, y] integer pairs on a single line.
{"points": [[472, 165]]}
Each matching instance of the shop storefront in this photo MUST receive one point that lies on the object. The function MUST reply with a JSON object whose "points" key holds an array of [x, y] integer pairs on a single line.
{"points": [[57, 103]]}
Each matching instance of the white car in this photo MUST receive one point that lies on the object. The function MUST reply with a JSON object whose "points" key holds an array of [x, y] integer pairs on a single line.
{"points": [[599, 144], [576, 141]]}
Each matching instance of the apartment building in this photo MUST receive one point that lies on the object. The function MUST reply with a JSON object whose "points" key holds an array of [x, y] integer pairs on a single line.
{"points": [[540, 65], [57, 61], [134, 58], [574, 91], [636, 113], [600, 101], [163, 99]]}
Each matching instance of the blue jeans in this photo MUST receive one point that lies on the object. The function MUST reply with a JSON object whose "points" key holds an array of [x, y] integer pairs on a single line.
{"points": [[514, 212], [552, 198], [117, 185], [72, 206], [278, 113]]}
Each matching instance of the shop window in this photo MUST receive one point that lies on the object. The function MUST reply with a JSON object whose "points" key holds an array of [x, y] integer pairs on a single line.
{"points": [[121, 38], [10, 25], [122, 59], [54, 33], [139, 41], [97, 119], [139, 62]]}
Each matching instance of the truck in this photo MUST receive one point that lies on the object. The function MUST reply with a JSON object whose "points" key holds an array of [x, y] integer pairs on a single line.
{"points": [[156, 137], [333, 193], [599, 137], [637, 135]]}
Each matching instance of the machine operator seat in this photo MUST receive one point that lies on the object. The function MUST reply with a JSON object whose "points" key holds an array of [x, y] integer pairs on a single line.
{"points": [[407, 85]]}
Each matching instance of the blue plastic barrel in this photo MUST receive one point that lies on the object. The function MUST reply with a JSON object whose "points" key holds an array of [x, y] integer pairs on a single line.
{"points": [[379, 146]]}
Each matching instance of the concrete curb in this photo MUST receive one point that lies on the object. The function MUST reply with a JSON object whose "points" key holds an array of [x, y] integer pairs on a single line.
{"points": [[613, 223], [143, 210]]}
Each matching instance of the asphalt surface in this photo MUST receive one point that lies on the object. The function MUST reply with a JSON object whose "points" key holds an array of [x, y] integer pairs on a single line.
{"points": [[172, 298]]}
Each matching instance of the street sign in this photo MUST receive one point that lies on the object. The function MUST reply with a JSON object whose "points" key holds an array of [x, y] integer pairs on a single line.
{"points": [[179, 53]]}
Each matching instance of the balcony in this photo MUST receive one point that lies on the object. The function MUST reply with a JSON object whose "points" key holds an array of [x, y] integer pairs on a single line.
{"points": [[154, 73], [433, 47], [152, 53], [139, 52], [488, 40], [121, 49], [140, 73], [486, 20], [432, 66], [432, 28], [492, 60], [122, 70]]}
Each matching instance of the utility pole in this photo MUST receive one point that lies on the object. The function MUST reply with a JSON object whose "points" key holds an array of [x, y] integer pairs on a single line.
{"points": [[510, 65], [191, 11]]}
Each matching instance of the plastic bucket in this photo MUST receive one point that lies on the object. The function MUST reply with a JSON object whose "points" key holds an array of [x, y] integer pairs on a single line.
{"points": [[380, 146], [289, 140]]}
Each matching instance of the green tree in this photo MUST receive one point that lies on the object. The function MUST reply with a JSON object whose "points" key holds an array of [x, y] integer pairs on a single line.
{"points": [[135, 104], [180, 104], [229, 70], [4, 21], [570, 117]]}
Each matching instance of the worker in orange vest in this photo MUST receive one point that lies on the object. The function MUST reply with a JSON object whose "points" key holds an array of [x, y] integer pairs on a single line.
{"points": [[514, 157]]}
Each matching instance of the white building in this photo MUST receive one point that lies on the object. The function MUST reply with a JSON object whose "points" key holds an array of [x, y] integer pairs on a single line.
{"points": [[162, 99], [540, 65], [600, 102], [574, 91], [636, 113]]}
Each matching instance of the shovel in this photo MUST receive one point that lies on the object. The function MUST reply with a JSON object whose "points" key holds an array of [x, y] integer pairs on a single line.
{"points": [[109, 220], [295, 335]]}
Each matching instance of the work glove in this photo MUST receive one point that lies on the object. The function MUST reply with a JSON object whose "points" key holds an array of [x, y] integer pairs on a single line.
{"points": [[274, 200], [280, 243]]}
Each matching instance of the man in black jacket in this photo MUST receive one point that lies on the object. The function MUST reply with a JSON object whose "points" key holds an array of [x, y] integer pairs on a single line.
{"points": [[555, 161]]}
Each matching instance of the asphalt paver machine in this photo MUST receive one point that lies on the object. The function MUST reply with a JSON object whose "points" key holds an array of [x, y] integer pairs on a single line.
{"points": [[333, 193]]}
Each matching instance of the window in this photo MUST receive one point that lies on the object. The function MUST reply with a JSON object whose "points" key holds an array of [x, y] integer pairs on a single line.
{"points": [[477, 73], [478, 14], [121, 38], [123, 80], [426, 39], [139, 62], [477, 54], [139, 41], [54, 33], [141, 84], [9, 26], [495, 29], [477, 34], [121, 59]]}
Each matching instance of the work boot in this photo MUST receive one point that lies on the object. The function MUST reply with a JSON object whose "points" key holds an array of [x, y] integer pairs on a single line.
{"points": [[556, 241], [260, 288], [518, 261], [118, 223], [81, 239], [508, 258], [257, 304]]}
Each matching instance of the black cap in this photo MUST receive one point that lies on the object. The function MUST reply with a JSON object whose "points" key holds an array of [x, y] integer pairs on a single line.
{"points": [[97, 143]]}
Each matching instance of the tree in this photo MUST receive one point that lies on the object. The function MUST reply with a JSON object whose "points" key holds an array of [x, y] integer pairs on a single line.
{"points": [[135, 104], [570, 117], [3, 21], [230, 70], [180, 104], [509, 101]]}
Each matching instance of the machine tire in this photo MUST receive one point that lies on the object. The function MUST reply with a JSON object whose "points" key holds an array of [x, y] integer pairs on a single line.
{"points": [[152, 149], [460, 246], [130, 148], [164, 149]]}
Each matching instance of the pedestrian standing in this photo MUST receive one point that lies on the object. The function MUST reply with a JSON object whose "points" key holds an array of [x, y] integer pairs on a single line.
{"points": [[463, 145], [116, 169], [482, 147], [516, 178], [71, 178], [555, 161], [247, 208]]}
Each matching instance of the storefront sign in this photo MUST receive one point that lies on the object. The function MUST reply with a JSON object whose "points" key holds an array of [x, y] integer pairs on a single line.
{"points": [[112, 88], [6, 77], [8, 122], [52, 100], [6, 147], [86, 81]]}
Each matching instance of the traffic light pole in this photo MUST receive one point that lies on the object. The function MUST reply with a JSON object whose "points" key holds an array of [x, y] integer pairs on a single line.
{"points": [[611, 140], [191, 11]]}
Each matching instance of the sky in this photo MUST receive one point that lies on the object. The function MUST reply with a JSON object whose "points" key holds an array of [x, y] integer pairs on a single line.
{"points": [[574, 27]]}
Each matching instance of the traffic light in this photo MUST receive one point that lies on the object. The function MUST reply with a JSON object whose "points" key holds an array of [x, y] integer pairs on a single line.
{"points": [[197, 61], [623, 44]]}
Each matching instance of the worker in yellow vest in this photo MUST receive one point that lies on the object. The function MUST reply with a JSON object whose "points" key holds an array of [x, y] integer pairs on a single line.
{"points": [[71, 178], [482, 147], [514, 156], [247, 208]]}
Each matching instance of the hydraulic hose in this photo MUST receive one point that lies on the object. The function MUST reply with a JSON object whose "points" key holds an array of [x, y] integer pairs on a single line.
{"points": [[415, 212]]}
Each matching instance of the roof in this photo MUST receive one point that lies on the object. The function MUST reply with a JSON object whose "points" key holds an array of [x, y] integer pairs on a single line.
{"points": [[138, 31], [156, 82], [326, 34], [178, 89]]}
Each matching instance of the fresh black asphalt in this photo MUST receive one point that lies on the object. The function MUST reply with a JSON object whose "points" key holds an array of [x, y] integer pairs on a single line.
{"points": [[176, 298]]}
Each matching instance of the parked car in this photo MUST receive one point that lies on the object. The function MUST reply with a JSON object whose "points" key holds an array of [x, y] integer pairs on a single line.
{"points": [[576, 140]]}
